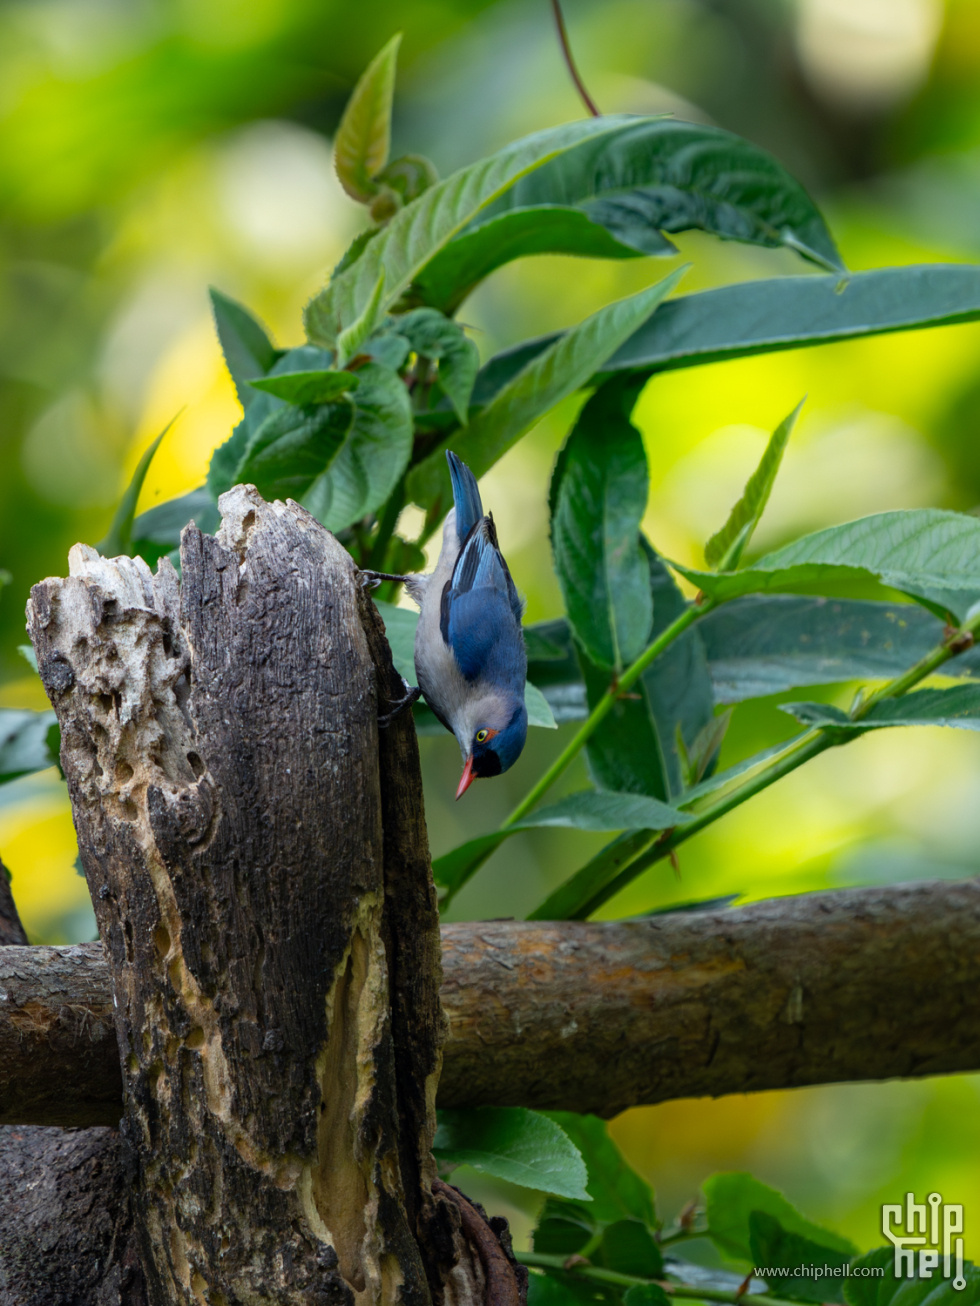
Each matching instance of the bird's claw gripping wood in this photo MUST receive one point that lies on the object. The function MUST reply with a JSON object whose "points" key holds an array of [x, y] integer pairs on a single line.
{"points": [[372, 579], [395, 709]]}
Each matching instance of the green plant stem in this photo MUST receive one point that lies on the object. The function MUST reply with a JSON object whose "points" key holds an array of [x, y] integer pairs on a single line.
{"points": [[543, 1261], [573, 71], [806, 746], [386, 528], [681, 1235], [605, 704]]}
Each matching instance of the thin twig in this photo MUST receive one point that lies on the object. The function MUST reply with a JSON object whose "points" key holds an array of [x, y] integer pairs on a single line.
{"points": [[566, 50]]}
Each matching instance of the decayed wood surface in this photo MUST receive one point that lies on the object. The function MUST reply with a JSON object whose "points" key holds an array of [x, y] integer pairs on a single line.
{"points": [[856, 984], [256, 886]]}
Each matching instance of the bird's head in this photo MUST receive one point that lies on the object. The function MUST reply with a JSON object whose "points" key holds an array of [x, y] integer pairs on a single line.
{"points": [[492, 740]]}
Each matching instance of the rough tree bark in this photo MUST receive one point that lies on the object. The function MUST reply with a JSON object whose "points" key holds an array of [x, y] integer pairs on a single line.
{"points": [[262, 891], [67, 1236], [11, 929], [821, 988], [852, 985]]}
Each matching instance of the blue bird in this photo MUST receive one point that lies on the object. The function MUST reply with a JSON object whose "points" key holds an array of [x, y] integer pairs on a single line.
{"points": [[470, 659]]}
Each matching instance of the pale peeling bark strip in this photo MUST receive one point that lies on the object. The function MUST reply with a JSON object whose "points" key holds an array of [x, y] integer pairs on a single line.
{"points": [[851, 985]]}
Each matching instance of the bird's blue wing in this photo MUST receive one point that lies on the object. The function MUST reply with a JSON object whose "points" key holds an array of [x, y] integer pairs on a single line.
{"points": [[466, 495], [480, 617], [481, 626]]}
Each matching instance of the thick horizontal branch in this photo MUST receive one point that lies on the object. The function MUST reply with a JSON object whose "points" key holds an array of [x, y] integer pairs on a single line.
{"points": [[826, 987]]}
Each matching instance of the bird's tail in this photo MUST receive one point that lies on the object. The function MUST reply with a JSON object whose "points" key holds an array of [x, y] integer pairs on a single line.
{"points": [[466, 496]]}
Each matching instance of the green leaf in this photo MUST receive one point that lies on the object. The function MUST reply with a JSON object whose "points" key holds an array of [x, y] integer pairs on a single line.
{"points": [[512, 1143], [553, 668], [156, 532], [598, 498], [696, 759], [5, 578], [453, 869], [732, 1197], [355, 249], [539, 712], [480, 250], [364, 135], [593, 883], [118, 540], [760, 317], [400, 627], [352, 338], [422, 228], [776, 1248], [556, 372], [646, 1294], [292, 447], [739, 773], [308, 387], [373, 457], [28, 654], [957, 706], [931, 555], [259, 406], [227, 457], [408, 176], [433, 336], [629, 1247], [724, 550], [388, 348], [617, 1191], [556, 1288], [602, 810], [635, 747], [660, 174], [864, 1290], [586, 810], [29, 741], [766, 643], [615, 196], [248, 351], [888, 1290], [563, 1228]]}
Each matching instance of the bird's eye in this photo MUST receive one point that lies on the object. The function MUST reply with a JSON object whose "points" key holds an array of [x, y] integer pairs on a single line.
{"points": [[481, 736]]}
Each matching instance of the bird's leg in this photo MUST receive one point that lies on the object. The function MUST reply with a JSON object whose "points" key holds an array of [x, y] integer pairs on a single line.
{"points": [[373, 578], [412, 692]]}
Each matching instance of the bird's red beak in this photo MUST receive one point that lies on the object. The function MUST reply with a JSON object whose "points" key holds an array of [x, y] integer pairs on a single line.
{"points": [[467, 778]]}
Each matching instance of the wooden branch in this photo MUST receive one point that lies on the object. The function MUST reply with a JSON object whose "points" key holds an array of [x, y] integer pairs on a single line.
{"points": [[59, 1061], [825, 987], [66, 1210], [822, 988], [264, 898]]}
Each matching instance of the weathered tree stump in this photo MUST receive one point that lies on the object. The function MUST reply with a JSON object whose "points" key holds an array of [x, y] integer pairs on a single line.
{"points": [[258, 863]]}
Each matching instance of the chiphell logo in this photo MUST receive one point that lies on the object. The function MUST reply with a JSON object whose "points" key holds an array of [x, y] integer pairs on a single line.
{"points": [[921, 1236]]}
